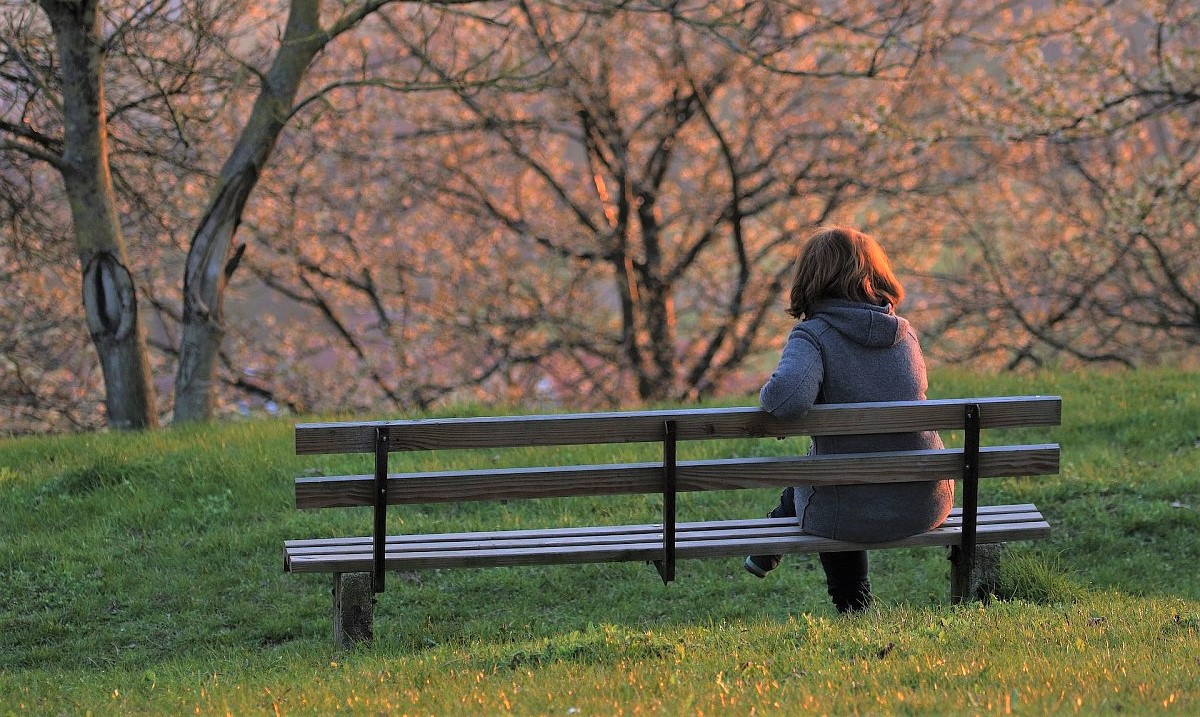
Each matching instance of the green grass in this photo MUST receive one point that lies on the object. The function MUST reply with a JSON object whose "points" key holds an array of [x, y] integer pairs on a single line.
{"points": [[142, 574]]}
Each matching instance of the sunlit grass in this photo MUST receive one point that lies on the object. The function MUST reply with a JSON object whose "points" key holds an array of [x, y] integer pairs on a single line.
{"points": [[143, 575]]}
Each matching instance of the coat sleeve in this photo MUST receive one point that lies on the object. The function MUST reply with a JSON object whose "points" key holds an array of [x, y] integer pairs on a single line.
{"points": [[793, 387]]}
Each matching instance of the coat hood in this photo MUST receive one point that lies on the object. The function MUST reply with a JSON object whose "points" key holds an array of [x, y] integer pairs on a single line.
{"points": [[864, 324]]}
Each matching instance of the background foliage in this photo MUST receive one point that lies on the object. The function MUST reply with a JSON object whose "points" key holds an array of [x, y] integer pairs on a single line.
{"points": [[596, 203]]}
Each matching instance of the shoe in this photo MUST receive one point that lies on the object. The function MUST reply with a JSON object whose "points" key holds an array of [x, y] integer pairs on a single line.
{"points": [[854, 605], [760, 565], [854, 600]]}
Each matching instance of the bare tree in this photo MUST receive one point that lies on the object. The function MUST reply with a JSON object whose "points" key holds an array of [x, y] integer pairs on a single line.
{"points": [[1082, 243], [592, 233], [671, 173], [172, 57], [213, 255], [81, 155]]}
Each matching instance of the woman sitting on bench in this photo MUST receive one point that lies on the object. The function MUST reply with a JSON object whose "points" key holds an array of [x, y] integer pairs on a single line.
{"points": [[851, 347]]}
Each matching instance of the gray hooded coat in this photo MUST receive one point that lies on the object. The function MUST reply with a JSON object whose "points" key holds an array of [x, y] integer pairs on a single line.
{"points": [[849, 352]]}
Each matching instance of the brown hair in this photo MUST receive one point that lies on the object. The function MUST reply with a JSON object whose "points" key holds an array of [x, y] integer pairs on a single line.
{"points": [[842, 263]]}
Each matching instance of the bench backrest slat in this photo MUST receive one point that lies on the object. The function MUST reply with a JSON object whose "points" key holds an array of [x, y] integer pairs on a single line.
{"points": [[692, 424], [718, 474]]}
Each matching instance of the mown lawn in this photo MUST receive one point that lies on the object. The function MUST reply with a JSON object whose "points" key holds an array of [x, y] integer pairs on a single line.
{"points": [[142, 575]]}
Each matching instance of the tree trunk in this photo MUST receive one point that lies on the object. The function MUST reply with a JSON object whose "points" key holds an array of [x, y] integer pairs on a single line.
{"points": [[657, 306], [109, 293], [213, 257], [660, 318]]}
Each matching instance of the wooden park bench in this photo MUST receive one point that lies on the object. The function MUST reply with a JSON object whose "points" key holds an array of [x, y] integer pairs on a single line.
{"points": [[359, 564]]}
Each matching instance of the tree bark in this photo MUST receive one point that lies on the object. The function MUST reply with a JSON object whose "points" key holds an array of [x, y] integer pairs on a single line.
{"points": [[213, 256], [109, 292]]}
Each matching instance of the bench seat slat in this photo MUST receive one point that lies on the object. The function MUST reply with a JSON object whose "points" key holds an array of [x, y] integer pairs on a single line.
{"points": [[692, 424], [954, 517], [1000, 533], [611, 532], [637, 533], [717, 474], [637, 542], [632, 551]]}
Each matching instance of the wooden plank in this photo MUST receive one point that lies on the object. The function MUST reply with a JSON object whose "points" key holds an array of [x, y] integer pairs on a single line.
{"points": [[747, 523], [360, 562], [693, 424], [646, 550], [715, 474], [767, 529], [992, 512], [997, 533]]}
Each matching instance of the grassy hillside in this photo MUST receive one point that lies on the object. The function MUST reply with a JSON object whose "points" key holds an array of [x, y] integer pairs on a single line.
{"points": [[143, 574]]}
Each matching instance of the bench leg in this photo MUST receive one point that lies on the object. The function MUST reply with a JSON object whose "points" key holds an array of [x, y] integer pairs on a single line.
{"points": [[984, 578], [353, 609]]}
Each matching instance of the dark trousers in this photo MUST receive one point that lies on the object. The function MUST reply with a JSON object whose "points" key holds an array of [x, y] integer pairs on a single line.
{"points": [[845, 572]]}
